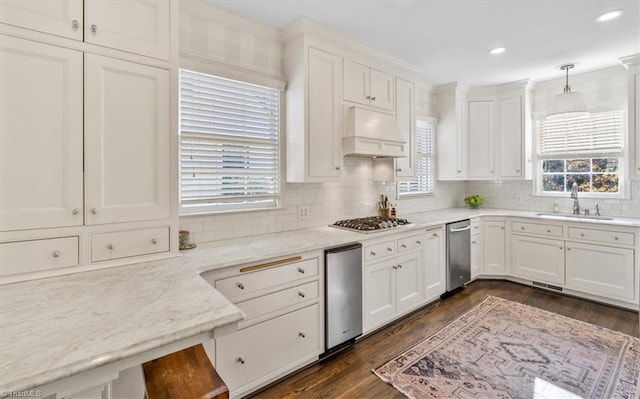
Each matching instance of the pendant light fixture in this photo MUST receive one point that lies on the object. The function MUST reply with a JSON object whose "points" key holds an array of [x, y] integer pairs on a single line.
{"points": [[568, 105]]}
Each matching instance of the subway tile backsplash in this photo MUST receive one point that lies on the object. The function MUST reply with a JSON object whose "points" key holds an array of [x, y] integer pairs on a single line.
{"points": [[356, 195]]}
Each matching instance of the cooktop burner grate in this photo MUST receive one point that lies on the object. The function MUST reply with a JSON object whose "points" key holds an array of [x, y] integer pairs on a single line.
{"points": [[371, 224]]}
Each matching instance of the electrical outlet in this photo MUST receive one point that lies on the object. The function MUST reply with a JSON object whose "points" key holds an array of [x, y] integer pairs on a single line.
{"points": [[519, 199], [303, 212]]}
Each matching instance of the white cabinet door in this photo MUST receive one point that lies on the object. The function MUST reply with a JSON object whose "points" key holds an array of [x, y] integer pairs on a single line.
{"points": [[324, 114], [481, 138], [379, 293], [40, 135], [356, 82], [127, 141], [476, 256], [137, 26], [56, 17], [510, 140], [382, 90], [405, 117], [409, 284], [601, 270], [636, 131], [538, 259], [434, 264], [494, 247], [462, 139]]}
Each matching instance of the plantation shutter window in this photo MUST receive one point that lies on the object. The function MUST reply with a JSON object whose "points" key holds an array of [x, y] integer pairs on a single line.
{"points": [[597, 134], [229, 144], [424, 182]]}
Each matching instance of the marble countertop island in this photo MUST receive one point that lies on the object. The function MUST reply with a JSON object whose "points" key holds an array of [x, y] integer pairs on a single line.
{"points": [[57, 327]]}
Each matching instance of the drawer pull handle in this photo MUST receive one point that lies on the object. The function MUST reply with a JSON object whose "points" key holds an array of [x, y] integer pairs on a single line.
{"points": [[94, 28], [240, 360], [616, 238], [110, 246], [93, 211], [270, 264], [154, 241], [475, 227], [399, 266], [418, 242], [75, 24], [301, 270], [389, 249], [301, 294], [302, 335], [240, 285], [55, 254], [75, 211], [373, 253], [403, 245]]}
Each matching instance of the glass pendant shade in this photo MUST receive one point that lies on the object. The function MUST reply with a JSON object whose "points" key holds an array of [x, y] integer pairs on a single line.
{"points": [[568, 105]]}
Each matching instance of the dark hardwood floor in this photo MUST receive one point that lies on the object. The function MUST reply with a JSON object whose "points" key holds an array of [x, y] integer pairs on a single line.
{"points": [[348, 374]]}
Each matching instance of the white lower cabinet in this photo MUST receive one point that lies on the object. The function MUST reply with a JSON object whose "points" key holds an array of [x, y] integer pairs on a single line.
{"points": [[408, 281], [435, 263], [379, 293], [494, 247], [476, 248], [538, 259], [601, 270], [255, 352]]}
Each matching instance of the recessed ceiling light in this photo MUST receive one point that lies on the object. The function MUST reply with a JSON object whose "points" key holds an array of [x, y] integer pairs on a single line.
{"points": [[498, 50], [608, 16]]}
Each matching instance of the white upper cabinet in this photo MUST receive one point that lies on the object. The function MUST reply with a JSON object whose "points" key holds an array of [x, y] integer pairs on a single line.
{"points": [[481, 139], [136, 26], [453, 133], [40, 135], [127, 141], [510, 139], [635, 131], [56, 17], [368, 86], [406, 120]]}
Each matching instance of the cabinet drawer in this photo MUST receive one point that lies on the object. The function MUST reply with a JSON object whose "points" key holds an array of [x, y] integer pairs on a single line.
{"points": [[278, 300], [609, 237], [38, 255], [123, 244], [250, 282], [252, 353], [379, 251], [538, 229], [409, 243]]}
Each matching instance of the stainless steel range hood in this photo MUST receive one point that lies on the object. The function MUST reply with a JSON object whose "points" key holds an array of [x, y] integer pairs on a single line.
{"points": [[372, 134]]}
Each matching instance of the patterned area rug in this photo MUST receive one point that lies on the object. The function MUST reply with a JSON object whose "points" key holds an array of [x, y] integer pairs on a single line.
{"points": [[502, 349]]}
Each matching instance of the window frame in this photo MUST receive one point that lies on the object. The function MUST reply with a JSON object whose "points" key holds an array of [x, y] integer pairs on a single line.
{"points": [[434, 161], [233, 207], [538, 172]]}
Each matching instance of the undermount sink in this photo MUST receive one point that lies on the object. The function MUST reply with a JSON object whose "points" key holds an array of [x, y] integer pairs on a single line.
{"points": [[572, 216]]}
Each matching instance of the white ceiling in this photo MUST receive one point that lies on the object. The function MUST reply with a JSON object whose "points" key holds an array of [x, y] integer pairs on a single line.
{"points": [[451, 39]]}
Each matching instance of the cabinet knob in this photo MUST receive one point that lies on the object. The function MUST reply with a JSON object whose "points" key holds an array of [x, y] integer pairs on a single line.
{"points": [[368, 97], [616, 238], [581, 234], [337, 168], [55, 254], [94, 29], [301, 294], [459, 171], [240, 360], [399, 170], [399, 266], [300, 270], [560, 247], [521, 227], [395, 267], [475, 227], [435, 234], [389, 249], [154, 241], [502, 227], [75, 24], [372, 253], [548, 230], [418, 242], [517, 170], [110, 246], [75, 211], [568, 249], [491, 171], [403, 246], [473, 242], [240, 285], [302, 334], [93, 211], [373, 99]]}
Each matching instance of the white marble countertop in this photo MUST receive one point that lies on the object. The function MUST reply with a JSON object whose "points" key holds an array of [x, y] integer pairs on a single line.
{"points": [[56, 327]]}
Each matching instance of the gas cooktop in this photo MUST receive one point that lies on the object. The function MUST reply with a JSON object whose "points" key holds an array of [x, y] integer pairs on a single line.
{"points": [[371, 224]]}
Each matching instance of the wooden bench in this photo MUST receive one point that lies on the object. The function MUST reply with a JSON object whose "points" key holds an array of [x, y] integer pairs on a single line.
{"points": [[187, 374]]}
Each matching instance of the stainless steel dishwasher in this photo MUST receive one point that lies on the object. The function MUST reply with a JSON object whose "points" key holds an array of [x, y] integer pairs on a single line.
{"points": [[343, 297], [458, 254]]}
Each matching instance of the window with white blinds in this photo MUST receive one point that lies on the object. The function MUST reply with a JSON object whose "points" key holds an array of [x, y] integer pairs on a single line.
{"points": [[597, 134], [229, 144], [424, 182]]}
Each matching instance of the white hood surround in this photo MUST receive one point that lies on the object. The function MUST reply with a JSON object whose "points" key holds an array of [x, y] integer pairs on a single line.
{"points": [[372, 134]]}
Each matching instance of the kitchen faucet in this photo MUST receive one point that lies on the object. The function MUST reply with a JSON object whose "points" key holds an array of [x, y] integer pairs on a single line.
{"points": [[574, 195]]}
